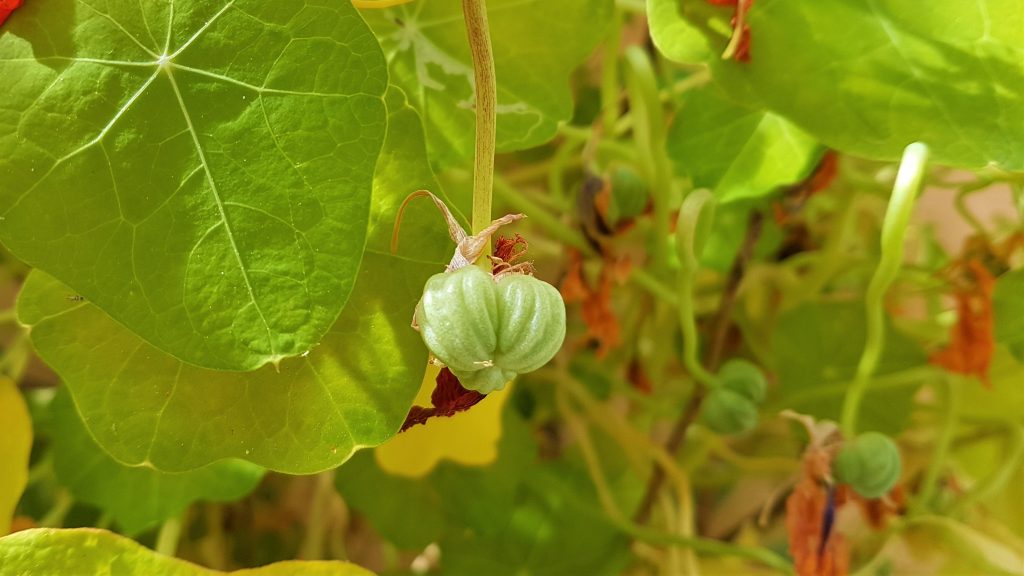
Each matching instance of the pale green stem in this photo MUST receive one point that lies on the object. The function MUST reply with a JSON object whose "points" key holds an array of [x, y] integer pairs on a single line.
{"points": [[692, 228], [475, 14], [997, 481], [649, 135], [312, 547], [894, 228], [937, 461], [54, 517], [610, 96], [169, 536]]}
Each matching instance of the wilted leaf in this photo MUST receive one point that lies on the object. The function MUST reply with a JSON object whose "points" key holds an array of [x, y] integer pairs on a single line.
{"points": [[200, 171], [972, 341]]}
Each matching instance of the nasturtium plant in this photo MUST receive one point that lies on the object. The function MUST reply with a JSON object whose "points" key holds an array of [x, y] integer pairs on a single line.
{"points": [[306, 414], [719, 286], [212, 162]]}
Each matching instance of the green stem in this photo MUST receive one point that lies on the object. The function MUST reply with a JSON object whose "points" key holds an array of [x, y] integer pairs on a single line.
{"points": [[54, 517], [937, 462], [169, 536], [610, 95], [475, 13], [997, 481], [894, 228], [312, 547], [692, 229], [649, 134]]}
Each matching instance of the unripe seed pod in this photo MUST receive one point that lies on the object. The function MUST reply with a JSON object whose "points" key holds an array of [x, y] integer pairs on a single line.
{"points": [[487, 329], [744, 378], [870, 464], [728, 412]]}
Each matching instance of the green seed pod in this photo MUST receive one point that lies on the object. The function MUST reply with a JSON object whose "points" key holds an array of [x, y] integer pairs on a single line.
{"points": [[744, 378], [728, 412], [870, 464], [486, 329]]}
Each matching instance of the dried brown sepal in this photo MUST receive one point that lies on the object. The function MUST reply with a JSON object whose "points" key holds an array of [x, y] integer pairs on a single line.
{"points": [[448, 398], [972, 339], [468, 248], [602, 323]]}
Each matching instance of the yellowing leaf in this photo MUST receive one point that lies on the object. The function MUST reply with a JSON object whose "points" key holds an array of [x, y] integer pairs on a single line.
{"points": [[469, 438], [46, 551], [15, 445]]}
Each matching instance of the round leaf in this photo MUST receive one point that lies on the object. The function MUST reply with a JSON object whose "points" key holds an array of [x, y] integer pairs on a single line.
{"points": [[200, 171]]}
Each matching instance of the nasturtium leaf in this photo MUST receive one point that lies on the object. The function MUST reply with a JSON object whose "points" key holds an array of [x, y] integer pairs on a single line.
{"points": [[536, 44], [816, 350], [310, 413], [200, 171], [870, 76], [136, 497], [15, 446], [674, 35], [45, 551], [735, 151], [1008, 310]]}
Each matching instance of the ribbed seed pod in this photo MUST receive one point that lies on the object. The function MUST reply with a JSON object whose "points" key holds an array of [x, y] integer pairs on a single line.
{"points": [[485, 330]]}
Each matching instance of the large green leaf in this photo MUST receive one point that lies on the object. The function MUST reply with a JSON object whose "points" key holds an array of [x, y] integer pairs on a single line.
{"points": [[200, 171], [308, 414], [870, 76], [816, 349], [136, 497], [537, 44], [735, 151], [46, 551]]}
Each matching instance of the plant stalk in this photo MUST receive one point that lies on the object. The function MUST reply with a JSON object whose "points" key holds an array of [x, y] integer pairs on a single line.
{"points": [[894, 229], [475, 14]]}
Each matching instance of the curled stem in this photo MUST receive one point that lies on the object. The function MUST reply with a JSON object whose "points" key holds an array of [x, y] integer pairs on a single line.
{"points": [[894, 228]]}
